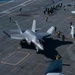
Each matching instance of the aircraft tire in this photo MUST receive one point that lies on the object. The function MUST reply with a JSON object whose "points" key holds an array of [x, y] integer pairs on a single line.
{"points": [[37, 50]]}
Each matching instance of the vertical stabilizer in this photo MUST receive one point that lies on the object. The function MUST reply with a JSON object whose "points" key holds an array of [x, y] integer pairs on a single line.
{"points": [[34, 25], [18, 27], [50, 30]]}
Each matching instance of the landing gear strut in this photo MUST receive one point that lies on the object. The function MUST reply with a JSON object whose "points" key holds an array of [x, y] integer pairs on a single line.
{"points": [[37, 50], [22, 43]]}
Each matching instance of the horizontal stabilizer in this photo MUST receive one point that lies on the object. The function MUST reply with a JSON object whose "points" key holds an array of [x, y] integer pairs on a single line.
{"points": [[50, 30], [15, 31], [6, 34]]}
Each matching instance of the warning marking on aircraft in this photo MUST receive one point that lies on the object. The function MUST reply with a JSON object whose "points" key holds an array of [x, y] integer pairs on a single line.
{"points": [[15, 58]]}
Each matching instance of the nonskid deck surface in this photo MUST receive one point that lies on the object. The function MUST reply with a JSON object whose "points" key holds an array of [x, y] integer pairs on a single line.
{"points": [[15, 60]]}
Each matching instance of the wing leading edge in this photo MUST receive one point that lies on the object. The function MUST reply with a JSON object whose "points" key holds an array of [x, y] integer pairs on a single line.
{"points": [[46, 34], [17, 36], [14, 36]]}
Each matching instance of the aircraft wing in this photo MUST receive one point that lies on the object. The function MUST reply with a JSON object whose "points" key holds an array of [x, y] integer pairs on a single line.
{"points": [[16, 31], [16, 36], [42, 34], [46, 34], [55, 68]]}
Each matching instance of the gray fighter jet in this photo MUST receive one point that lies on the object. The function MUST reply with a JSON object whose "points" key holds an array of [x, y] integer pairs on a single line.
{"points": [[55, 68], [32, 35]]}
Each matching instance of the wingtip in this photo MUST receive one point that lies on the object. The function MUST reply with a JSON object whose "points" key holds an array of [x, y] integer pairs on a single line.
{"points": [[6, 33]]}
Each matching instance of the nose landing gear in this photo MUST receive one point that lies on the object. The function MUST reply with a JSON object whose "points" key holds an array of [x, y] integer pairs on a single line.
{"points": [[37, 50]]}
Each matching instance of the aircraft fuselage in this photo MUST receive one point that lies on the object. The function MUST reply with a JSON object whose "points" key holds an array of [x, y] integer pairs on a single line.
{"points": [[31, 37]]}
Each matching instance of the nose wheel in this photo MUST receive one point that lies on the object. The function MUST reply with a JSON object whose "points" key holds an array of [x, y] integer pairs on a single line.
{"points": [[37, 50]]}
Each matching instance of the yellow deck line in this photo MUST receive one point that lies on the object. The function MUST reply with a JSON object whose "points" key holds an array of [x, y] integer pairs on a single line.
{"points": [[11, 55]]}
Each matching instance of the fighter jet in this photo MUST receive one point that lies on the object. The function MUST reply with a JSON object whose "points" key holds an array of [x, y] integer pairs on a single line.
{"points": [[54, 68], [32, 35]]}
